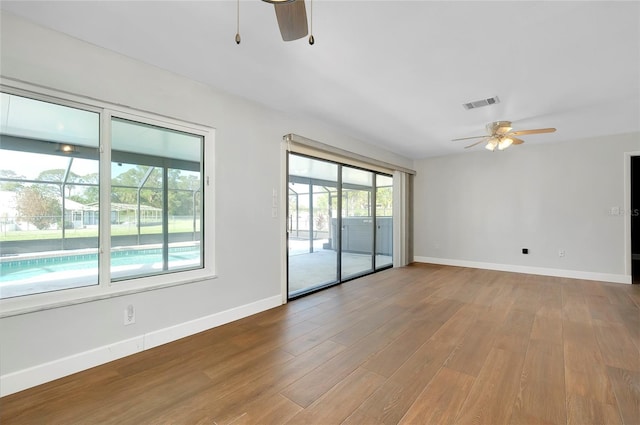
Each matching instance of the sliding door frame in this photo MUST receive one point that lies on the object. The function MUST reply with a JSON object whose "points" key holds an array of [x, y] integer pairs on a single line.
{"points": [[339, 279], [402, 194]]}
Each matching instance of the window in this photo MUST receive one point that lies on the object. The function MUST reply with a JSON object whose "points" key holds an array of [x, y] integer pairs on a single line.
{"points": [[156, 188], [97, 200]]}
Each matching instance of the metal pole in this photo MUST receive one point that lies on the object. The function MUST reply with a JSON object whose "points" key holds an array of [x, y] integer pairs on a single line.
{"points": [[62, 241], [374, 219], [165, 218], [62, 189], [310, 217], [139, 212], [194, 214], [339, 226]]}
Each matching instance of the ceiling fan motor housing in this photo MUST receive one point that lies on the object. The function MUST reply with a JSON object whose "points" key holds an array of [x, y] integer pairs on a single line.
{"points": [[499, 127]]}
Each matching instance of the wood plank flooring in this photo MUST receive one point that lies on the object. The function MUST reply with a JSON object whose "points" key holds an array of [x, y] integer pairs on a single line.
{"points": [[422, 344]]}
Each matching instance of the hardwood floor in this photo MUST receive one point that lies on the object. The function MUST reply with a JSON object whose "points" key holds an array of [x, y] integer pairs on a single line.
{"points": [[423, 344]]}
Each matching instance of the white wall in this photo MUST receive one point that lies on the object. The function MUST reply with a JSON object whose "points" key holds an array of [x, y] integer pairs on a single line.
{"points": [[248, 239], [481, 208]]}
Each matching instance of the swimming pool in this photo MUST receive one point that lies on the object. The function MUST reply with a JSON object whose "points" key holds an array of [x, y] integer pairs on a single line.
{"points": [[60, 270]]}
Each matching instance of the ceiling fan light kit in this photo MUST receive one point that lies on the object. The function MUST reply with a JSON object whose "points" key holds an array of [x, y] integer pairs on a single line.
{"points": [[500, 143], [500, 135], [505, 143]]}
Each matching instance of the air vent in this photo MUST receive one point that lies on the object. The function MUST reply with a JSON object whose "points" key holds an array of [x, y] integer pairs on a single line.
{"points": [[480, 103]]}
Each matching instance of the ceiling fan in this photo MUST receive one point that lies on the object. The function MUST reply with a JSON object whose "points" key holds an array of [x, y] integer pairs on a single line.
{"points": [[292, 19], [499, 135]]}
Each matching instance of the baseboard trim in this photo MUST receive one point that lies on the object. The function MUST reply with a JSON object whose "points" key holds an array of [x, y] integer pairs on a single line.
{"points": [[163, 336], [26, 378], [543, 271]]}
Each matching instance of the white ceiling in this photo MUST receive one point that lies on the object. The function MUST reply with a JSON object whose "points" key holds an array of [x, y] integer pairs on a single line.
{"points": [[392, 73]]}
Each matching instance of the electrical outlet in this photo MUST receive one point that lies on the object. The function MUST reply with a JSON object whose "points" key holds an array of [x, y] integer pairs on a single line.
{"points": [[561, 253], [129, 315]]}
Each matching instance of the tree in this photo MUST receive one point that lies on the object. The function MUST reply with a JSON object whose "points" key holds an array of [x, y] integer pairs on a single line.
{"points": [[58, 175], [87, 194], [10, 186], [124, 187], [356, 202], [384, 201], [36, 205], [181, 192]]}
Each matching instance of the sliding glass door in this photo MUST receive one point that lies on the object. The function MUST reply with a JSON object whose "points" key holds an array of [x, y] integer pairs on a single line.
{"points": [[313, 186], [357, 222], [384, 221], [337, 227]]}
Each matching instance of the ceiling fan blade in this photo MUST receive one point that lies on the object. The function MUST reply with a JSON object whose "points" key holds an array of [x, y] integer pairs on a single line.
{"points": [[536, 131], [516, 141], [292, 20], [476, 143], [467, 138]]}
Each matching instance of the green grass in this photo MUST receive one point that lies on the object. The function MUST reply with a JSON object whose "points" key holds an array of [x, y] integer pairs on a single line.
{"points": [[175, 226]]}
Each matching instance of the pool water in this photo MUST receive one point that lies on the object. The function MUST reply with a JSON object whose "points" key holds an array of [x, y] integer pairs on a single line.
{"points": [[28, 276]]}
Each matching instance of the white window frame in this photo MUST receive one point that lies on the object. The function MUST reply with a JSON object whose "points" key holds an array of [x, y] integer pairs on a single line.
{"points": [[105, 288]]}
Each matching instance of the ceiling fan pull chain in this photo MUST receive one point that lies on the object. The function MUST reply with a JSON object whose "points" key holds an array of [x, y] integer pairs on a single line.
{"points": [[311, 39], [238, 24]]}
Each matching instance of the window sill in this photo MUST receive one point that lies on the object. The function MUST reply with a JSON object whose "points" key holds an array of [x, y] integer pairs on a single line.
{"points": [[65, 298]]}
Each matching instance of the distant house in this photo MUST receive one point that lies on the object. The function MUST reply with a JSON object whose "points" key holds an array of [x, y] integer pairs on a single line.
{"points": [[77, 215], [129, 213]]}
